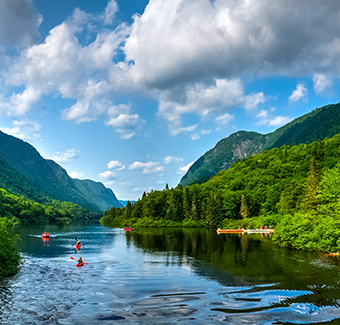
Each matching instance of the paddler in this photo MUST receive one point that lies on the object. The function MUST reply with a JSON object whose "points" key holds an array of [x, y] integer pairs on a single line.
{"points": [[80, 260]]}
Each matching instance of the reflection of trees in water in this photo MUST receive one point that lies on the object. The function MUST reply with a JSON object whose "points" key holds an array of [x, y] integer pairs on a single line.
{"points": [[250, 259]]}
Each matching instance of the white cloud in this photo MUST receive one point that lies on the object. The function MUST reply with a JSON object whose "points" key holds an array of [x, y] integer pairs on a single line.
{"points": [[150, 167], [106, 175], [270, 121], [180, 41], [110, 11], [67, 155], [115, 164], [62, 66], [193, 56], [185, 168], [300, 92], [74, 174], [170, 159], [218, 98], [223, 120], [321, 83], [182, 130], [125, 123], [24, 129]]}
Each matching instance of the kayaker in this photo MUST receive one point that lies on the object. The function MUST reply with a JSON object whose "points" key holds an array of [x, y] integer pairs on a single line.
{"points": [[78, 243], [80, 260]]}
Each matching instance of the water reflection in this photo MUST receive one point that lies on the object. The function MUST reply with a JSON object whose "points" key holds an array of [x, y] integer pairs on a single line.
{"points": [[294, 277], [166, 276]]}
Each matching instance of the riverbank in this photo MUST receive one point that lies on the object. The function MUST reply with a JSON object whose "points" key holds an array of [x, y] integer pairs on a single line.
{"points": [[300, 231], [9, 254]]}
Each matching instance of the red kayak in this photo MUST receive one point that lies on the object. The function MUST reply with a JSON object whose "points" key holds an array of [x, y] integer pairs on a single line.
{"points": [[80, 264], [127, 229], [78, 247], [46, 235]]}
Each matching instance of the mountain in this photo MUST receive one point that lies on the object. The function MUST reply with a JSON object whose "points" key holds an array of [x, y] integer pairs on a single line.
{"points": [[23, 171], [317, 125], [124, 203]]}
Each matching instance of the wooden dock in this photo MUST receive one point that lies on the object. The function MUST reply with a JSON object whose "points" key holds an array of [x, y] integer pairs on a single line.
{"points": [[244, 231]]}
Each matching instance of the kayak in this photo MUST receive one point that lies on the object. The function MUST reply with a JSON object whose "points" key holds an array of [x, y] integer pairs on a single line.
{"points": [[127, 229], [80, 264], [78, 247], [46, 236]]}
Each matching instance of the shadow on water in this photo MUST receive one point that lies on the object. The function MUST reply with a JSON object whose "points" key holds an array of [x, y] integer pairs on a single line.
{"points": [[167, 276]]}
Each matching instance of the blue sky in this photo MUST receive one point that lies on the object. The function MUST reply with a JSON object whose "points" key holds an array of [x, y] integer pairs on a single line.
{"points": [[131, 93]]}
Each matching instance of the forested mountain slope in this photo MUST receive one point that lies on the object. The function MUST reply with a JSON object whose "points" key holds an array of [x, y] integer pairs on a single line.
{"points": [[321, 123], [23, 171], [294, 188]]}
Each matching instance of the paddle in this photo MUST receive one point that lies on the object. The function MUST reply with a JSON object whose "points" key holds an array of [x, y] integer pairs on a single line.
{"points": [[72, 258], [77, 240]]}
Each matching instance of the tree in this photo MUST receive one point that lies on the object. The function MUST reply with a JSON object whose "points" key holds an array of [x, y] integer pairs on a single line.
{"points": [[244, 210], [311, 201]]}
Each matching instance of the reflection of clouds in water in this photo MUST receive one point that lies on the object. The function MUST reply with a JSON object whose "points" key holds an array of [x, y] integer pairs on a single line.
{"points": [[164, 276]]}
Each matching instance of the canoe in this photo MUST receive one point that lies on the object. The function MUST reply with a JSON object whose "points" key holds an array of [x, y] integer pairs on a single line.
{"points": [[245, 231], [78, 247], [230, 231], [80, 264]]}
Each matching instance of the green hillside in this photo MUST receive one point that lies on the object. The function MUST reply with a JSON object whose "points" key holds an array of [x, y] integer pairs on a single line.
{"points": [[296, 188], [24, 172], [319, 124], [19, 209]]}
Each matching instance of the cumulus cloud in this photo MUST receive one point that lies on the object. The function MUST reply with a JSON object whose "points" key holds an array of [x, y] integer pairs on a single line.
{"points": [[193, 56], [179, 41], [300, 92], [24, 129], [75, 174], [219, 97], [106, 175], [67, 155], [170, 159], [63, 66], [266, 119], [123, 121], [115, 164], [150, 167]]}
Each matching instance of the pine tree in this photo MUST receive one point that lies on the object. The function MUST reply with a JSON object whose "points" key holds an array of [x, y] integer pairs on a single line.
{"points": [[244, 210], [311, 200]]}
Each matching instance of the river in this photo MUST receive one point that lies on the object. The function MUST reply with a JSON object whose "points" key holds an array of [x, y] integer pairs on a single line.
{"points": [[166, 276]]}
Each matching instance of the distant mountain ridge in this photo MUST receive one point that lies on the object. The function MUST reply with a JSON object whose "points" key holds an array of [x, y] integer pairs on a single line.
{"points": [[317, 125], [24, 171]]}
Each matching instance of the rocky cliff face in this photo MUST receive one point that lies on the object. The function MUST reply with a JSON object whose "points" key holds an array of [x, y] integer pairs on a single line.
{"points": [[317, 125]]}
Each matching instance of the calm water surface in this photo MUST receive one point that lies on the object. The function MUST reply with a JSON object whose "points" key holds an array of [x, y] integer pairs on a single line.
{"points": [[166, 276]]}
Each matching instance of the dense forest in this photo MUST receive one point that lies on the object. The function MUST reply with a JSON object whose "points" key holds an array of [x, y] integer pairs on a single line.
{"points": [[294, 188], [9, 255], [317, 125], [18, 209]]}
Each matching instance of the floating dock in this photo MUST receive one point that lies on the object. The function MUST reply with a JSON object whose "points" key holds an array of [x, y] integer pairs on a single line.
{"points": [[244, 231]]}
